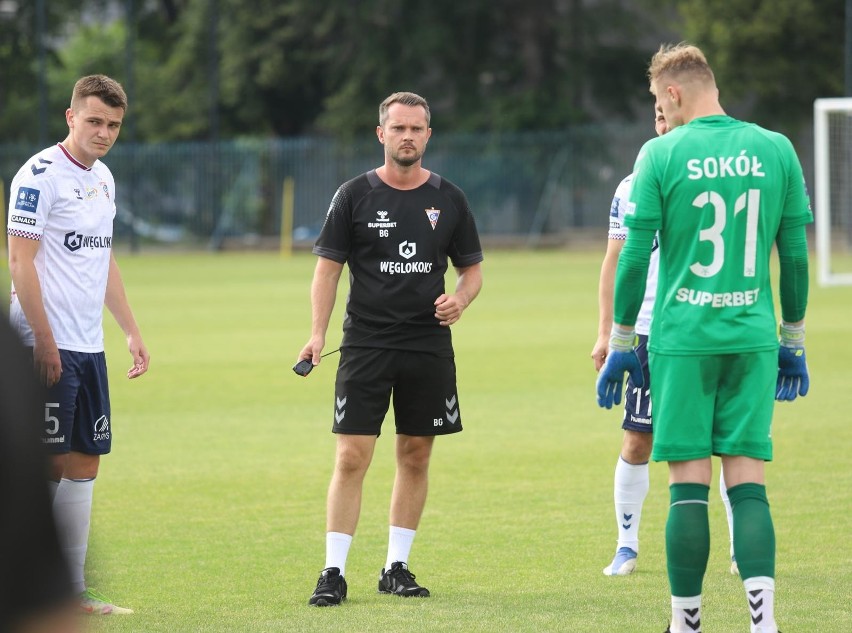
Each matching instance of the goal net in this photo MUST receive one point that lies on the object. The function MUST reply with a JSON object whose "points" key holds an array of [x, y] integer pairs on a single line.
{"points": [[833, 195]]}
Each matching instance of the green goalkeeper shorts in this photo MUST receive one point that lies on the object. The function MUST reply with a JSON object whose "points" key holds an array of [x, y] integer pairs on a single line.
{"points": [[713, 405]]}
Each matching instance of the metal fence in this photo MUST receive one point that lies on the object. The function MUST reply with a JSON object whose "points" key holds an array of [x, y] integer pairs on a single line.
{"points": [[529, 189]]}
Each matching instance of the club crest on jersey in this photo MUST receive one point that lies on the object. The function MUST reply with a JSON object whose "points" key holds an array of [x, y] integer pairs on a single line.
{"points": [[27, 199], [106, 189], [433, 215]]}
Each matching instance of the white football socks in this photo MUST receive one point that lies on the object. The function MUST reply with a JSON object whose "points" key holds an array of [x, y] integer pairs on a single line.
{"points": [[631, 488], [400, 541], [51, 489], [760, 592], [686, 615], [723, 492], [72, 511], [337, 550]]}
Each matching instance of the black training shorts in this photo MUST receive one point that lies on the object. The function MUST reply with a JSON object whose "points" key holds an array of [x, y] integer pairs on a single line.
{"points": [[425, 400]]}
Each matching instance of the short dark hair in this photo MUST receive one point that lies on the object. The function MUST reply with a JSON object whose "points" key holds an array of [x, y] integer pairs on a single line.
{"points": [[405, 98], [104, 88]]}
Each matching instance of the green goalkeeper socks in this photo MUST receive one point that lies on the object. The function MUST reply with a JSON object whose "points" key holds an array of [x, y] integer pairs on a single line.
{"points": [[754, 533], [687, 538]]}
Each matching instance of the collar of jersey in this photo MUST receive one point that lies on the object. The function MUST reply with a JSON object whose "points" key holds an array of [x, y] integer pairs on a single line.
{"points": [[72, 159]]}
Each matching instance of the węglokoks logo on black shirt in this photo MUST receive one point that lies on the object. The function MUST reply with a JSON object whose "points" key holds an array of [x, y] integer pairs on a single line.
{"points": [[407, 250]]}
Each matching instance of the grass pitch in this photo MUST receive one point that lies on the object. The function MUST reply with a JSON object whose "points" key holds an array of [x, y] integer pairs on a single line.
{"points": [[209, 515]]}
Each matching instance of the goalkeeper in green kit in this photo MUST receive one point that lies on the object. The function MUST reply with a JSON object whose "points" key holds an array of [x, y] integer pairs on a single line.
{"points": [[721, 193]]}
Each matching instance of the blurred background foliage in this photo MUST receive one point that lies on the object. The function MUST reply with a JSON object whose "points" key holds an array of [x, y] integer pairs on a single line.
{"points": [[225, 69]]}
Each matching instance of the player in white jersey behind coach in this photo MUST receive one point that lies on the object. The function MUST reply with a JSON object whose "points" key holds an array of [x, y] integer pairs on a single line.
{"points": [[64, 272], [631, 482]]}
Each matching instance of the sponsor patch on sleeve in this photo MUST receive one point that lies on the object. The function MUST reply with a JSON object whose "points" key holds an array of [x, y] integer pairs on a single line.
{"points": [[23, 219], [27, 199]]}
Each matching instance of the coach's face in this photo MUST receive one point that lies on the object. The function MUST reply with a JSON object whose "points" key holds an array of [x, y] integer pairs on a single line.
{"points": [[404, 134], [93, 127]]}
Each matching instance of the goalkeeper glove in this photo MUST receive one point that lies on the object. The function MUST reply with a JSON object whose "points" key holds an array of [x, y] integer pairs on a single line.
{"points": [[793, 376], [621, 358]]}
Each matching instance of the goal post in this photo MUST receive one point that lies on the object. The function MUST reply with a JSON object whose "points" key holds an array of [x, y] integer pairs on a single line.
{"points": [[833, 195]]}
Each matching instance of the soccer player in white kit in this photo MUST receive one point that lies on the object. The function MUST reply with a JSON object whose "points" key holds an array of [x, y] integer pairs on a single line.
{"points": [[63, 270]]}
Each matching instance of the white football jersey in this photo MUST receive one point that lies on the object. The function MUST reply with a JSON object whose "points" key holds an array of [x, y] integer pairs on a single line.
{"points": [[617, 231], [69, 208]]}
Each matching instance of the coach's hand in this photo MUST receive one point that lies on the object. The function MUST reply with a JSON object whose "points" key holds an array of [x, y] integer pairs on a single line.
{"points": [[621, 358], [793, 379]]}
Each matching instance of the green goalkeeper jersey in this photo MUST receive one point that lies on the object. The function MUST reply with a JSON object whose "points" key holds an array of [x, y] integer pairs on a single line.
{"points": [[718, 190]]}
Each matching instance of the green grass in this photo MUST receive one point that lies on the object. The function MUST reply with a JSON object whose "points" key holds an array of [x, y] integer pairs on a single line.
{"points": [[210, 513]]}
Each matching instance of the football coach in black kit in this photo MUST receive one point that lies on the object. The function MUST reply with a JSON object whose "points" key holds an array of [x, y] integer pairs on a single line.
{"points": [[397, 228]]}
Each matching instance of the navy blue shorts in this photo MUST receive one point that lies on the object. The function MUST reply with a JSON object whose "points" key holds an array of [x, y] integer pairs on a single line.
{"points": [[425, 401], [637, 401], [77, 410]]}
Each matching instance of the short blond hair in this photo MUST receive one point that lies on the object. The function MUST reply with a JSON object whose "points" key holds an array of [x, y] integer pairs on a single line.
{"points": [[680, 61], [405, 98], [104, 88]]}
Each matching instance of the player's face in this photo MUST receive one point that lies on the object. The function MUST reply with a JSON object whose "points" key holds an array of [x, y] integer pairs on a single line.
{"points": [[668, 103], [92, 129], [404, 134], [660, 125]]}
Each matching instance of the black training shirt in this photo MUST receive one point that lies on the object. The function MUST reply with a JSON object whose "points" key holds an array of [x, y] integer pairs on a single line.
{"points": [[397, 244]]}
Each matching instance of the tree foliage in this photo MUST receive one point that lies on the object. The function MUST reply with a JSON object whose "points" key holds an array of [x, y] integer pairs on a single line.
{"points": [[20, 61], [772, 57], [203, 69]]}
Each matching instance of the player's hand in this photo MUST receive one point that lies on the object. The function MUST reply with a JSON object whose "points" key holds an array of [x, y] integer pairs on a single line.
{"points": [[47, 363], [448, 309], [310, 356], [611, 377], [312, 350], [793, 379], [141, 357], [620, 358], [599, 352]]}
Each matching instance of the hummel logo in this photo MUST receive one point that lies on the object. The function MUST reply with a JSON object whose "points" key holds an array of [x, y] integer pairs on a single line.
{"points": [[382, 215], [452, 410], [755, 602], [627, 525], [339, 413], [695, 622], [36, 170]]}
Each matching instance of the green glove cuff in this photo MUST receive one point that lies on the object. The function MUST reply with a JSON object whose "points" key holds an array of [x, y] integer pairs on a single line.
{"points": [[622, 339], [791, 335]]}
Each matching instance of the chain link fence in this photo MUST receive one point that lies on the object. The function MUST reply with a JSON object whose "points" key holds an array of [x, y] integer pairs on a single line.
{"points": [[525, 189]]}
